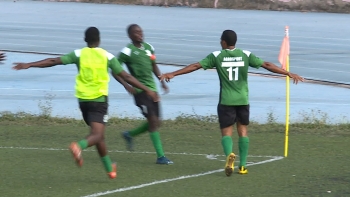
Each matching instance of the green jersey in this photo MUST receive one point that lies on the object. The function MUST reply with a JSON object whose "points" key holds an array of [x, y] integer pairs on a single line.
{"points": [[92, 79], [139, 62], [232, 68]]}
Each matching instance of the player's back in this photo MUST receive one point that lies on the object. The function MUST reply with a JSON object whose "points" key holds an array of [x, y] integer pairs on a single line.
{"points": [[232, 67], [92, 79]]}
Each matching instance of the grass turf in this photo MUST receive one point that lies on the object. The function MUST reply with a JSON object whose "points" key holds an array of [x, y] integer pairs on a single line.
{"points": [[317, 162]]}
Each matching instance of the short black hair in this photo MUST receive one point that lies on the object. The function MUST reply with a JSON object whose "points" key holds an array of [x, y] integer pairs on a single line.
{"points": [[131, 27], [230, 37], [92, 35]]}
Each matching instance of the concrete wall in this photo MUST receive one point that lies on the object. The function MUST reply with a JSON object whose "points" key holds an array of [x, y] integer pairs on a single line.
{"points": [[339, 6]]}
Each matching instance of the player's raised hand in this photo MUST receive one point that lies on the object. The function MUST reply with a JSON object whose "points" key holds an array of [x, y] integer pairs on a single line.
{"points": [[20, 66], [166, 77], [296, 78], [2, 56]]}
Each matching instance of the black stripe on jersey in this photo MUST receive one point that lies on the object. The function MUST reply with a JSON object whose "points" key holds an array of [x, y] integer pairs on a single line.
{"points": [[220, 87]]}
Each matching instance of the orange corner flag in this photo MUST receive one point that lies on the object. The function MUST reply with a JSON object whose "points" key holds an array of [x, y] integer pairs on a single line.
{"points": [[284, 52]]}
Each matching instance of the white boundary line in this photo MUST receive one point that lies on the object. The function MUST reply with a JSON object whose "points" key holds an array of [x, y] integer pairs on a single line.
{"points": [[130, 152], [208, 156], [172, 179]]}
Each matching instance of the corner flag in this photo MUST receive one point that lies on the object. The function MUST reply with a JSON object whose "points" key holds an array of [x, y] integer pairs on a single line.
{"points": [[283, 58]]}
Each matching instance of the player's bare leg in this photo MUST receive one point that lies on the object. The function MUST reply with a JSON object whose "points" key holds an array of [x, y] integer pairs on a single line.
{"points": [[96, 133], [154, 123], [93, 138], [243, 144], [96, 137], [227, 144]]}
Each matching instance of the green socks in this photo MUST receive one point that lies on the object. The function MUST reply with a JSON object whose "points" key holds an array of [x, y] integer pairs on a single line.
{"points": [[243, 145], [155, 137], [227, 144], [83, 144], [141, 129], [107, 163]]}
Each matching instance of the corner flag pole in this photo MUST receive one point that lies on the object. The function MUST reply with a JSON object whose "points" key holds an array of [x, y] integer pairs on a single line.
{"points": [[287, 112], [283, 58], [287, 98]]}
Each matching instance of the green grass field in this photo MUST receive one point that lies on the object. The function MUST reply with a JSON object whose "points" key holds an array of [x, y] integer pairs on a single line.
{"points": [[35, 161]]}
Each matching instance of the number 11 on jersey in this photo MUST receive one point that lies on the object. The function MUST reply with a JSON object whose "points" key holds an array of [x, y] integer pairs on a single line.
{"points": [[230, 73], [232, 67]]}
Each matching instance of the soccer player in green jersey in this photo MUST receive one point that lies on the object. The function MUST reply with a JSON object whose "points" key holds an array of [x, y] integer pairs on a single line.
{"points": [[91, 88], [139, 58], [2, 56], [232, 65]]}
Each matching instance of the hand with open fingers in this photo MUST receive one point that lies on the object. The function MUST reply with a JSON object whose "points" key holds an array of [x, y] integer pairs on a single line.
{"points": [[2, 56], [20, 66], [153, 95], [166, 77], [296, 78]]}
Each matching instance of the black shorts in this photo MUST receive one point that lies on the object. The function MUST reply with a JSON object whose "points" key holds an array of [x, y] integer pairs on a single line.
{"points": [[146, 104], [94, 112], [229, 115]]}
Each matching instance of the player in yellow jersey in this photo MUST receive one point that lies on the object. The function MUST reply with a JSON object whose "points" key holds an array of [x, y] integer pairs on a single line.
{"points": [[91, 89]]}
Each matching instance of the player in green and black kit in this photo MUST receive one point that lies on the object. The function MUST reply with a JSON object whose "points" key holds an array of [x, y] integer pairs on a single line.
{"points": [[233, 107], [91, 88], [139, 58]]}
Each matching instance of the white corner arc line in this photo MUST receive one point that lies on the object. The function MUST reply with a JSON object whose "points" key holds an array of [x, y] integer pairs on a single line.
{"points": [[172, 179]]}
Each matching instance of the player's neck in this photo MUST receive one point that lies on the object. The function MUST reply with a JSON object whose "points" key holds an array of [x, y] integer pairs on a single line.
{"points": [[231, 47], [92, 45], [137, 44]]}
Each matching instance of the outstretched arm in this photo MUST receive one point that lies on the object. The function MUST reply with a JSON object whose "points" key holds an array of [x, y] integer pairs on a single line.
{"points": [[275, 69], [127, 87], [49, 62], [134, 82], [158, 74], [188, 69]]}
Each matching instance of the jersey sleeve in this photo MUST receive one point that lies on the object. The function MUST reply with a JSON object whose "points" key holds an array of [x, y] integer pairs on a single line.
{"points": [[152, 48], [254, 61], [114, 64], [152, 51], [70, 58], [124, 55], [208, 62]]}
